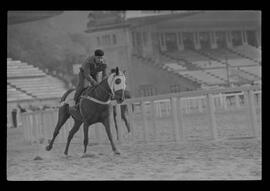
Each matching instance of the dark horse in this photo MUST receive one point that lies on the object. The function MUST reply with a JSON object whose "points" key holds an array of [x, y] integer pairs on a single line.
{"points": [[94, 108]]}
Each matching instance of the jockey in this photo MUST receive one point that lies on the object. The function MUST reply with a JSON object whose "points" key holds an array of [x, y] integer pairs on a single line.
{"points": [[89, 70]]}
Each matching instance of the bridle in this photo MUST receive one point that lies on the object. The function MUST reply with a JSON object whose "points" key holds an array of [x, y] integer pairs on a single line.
{"points": [[111, 93]]}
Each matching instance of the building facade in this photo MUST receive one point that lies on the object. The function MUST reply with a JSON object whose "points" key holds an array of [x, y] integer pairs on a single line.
{"points": [[135, 43]]}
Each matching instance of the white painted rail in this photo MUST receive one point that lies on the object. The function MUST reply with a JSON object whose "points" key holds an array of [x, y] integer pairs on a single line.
{"points": [[151, 110]]}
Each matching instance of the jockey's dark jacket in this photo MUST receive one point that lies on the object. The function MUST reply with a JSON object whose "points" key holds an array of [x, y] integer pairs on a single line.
{"points": [[91, 68]]}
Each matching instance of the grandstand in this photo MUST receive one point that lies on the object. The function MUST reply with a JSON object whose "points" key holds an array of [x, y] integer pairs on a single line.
{"points": [[13, 94], [184, 49], [249, 52], [203, 48], [26, 82], [209, 66]]}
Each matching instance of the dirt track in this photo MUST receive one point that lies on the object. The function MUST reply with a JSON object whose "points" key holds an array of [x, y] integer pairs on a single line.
{"points": [[225, 160]]}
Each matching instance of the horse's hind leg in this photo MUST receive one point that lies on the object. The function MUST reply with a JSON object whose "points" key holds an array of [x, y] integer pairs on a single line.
{"points": [[72, 132], [85, 132], [63, 115]]}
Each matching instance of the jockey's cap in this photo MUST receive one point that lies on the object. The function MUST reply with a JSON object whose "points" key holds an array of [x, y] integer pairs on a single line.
{"points": [[99, 52]]}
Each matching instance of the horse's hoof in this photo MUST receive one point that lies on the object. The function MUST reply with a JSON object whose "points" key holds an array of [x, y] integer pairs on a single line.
{"points": [[66, 156], [116, 152], [48, 148], [38, 158], [89, 155]]}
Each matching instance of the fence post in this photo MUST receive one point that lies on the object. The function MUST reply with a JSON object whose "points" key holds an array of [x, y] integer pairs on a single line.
{"points": [[25, 127], [200, 105], [158, 107], [237, 100], [186, 101], [154, 119], [29, 127], [145, 129], [176, 125], [31, 124], [34, 126], [216, 102], [42, 125], [47, 129], [220, 97], [212, 117], [182, 130], [224, 98], [252, 113], [38, 123], [168, 108], [19, 118]]}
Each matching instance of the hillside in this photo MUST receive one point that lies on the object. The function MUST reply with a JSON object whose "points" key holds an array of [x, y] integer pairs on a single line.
{"points": [[43, 43]]}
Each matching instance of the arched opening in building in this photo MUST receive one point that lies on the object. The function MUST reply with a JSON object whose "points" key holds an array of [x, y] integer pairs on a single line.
{"points": [[171, 41], [236, 38], [204, 38], [188, 40], [251, 38], [221, 39]]}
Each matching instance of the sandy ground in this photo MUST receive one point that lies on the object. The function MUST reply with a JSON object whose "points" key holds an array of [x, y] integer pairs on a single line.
{"points": [[195, 160]]}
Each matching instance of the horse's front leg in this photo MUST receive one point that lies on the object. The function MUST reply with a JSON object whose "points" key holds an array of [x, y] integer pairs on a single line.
{"points": [[106, 124], [85, 132], [74, 129]]}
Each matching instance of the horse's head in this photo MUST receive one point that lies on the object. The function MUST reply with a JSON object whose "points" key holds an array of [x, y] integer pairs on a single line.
{"points": [[117, 83]]}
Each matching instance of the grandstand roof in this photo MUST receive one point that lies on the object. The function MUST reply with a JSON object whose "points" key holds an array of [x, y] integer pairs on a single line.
{"points": [[186, 17], [215, 18], [137, 21], [224, 15]]}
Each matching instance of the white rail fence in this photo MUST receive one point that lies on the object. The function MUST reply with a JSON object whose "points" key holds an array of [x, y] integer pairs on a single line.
{"points": [[151, 111]]}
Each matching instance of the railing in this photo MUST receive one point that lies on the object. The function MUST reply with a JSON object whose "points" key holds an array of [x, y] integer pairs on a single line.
{"points": [[169, 113]]}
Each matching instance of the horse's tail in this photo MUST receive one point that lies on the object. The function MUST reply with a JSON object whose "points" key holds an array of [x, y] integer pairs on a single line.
{"points": [[63, 98]]}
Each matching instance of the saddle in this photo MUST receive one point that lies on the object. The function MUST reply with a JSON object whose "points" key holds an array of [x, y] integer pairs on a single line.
{"points": [[75, 110]]}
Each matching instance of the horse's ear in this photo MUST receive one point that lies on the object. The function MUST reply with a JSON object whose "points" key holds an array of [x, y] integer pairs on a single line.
{"points": [[117, 71]]}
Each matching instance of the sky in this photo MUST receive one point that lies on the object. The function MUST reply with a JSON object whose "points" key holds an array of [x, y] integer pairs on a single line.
{"points": [[71, 21], [75, 21]]}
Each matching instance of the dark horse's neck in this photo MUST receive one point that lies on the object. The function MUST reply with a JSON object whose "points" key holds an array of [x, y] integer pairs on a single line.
{"points": [[101, 92]]}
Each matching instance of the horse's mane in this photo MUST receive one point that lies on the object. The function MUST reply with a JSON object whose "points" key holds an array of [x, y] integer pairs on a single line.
{"points": [[91, 88], [113, 72]]}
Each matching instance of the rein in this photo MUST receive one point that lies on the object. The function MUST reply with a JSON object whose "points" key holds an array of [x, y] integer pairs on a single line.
{"points": [[98, 101]]}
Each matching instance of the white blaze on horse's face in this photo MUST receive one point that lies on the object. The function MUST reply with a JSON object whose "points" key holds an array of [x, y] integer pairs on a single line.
{"points": [[117, 82]]}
